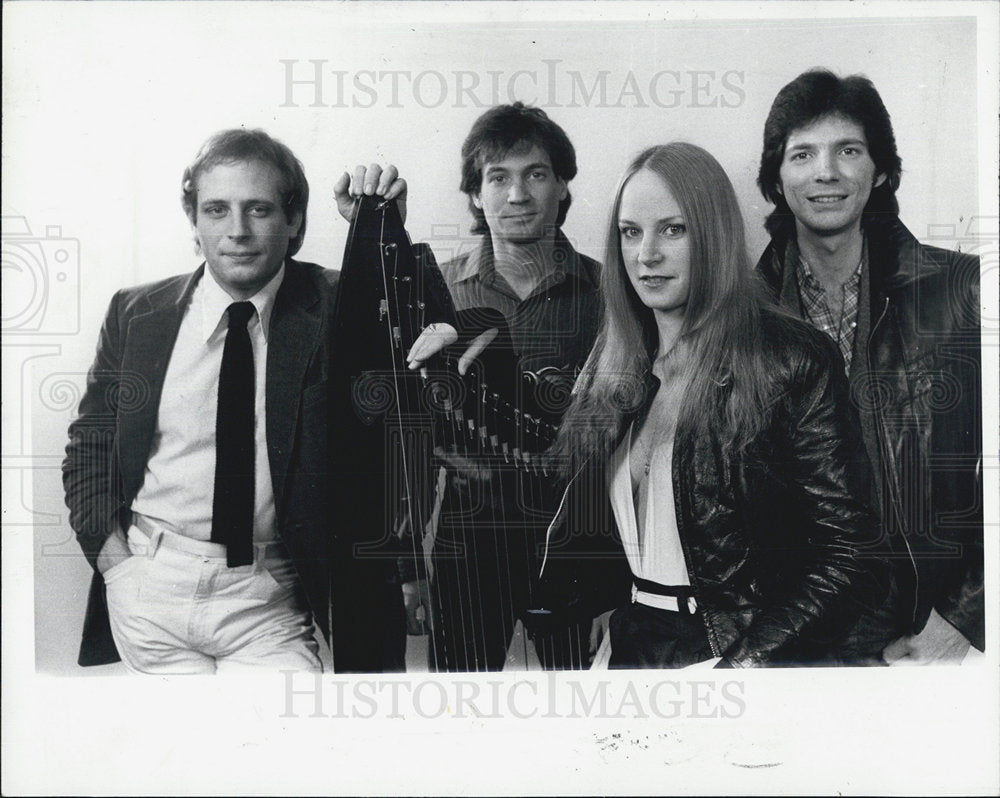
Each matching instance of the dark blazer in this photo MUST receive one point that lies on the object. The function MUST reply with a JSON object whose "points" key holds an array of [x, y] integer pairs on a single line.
{"points": [[110, 440]]}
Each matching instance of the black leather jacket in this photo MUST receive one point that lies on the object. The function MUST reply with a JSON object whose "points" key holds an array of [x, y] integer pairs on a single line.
{"points": [[770, 535], [915, 380]]}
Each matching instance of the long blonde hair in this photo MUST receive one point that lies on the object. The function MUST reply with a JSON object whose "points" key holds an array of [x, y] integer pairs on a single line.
{"points": [[725, 375]]}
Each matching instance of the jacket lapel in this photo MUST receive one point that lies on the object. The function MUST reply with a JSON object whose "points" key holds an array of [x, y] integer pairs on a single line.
{"points": [[148, 344], [295, 326]]}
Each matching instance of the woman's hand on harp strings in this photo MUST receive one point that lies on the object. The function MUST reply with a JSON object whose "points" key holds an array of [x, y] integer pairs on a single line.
{"points": [[371, 180]]}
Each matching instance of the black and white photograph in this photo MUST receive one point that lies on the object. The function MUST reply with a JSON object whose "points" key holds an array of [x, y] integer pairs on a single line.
{"points": [[500, 397]]}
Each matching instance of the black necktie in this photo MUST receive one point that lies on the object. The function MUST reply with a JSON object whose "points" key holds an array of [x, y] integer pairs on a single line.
{"points": [[233, 504]]}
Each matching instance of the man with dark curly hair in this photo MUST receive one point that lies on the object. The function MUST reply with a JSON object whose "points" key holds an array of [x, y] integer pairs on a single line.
{"points": [[516, 168], [906, 319]]}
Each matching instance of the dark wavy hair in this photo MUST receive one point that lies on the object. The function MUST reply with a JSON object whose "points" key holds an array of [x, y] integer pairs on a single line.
{"points": [[243, 146], [514, 128], [811, 96]]}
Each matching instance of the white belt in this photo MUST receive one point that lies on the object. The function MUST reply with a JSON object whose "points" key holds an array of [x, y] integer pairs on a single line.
{"points": [[661, 602]]}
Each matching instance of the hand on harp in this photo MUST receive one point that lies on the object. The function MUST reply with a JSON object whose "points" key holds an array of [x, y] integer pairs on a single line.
{"points": [[437, 337], [463, 470], [371, 180]]}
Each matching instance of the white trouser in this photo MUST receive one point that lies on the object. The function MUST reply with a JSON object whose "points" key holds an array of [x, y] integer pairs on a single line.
{"points": [[175, 607]]}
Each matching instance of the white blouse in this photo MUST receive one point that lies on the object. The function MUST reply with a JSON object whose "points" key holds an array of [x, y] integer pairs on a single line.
{"points": [[653, 548]]}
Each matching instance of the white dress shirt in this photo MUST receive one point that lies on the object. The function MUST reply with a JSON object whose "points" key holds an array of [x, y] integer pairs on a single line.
{"points": [[179, 483]]}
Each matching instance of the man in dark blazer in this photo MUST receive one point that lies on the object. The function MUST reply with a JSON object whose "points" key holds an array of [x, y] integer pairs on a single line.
{"points": [[148, 475]]}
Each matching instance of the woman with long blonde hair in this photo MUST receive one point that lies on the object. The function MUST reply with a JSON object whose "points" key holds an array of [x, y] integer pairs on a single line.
{"points": [[712, 459]]}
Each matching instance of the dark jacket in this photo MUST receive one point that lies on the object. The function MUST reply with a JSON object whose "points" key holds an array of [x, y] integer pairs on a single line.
{"points": [[770, 535], [111, 437], [915, 380]]}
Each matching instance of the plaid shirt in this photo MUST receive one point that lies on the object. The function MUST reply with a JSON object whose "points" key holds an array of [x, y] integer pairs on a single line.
{"points": [[818, 312]]}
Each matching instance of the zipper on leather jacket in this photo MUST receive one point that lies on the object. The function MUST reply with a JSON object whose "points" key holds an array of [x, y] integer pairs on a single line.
{"points": [[555, 518], [883, 440], [678, 494]]}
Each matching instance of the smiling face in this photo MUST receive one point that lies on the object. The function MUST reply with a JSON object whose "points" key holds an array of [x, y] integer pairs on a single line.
{"points": [[827, 175], [241, 225], [655, 243], [520, 196]]}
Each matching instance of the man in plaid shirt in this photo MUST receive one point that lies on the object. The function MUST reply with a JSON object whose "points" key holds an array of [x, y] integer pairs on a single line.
{"points": [[906, 319]]}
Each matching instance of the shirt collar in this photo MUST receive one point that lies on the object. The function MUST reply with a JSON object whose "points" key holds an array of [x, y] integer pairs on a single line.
{"points": [[807, 278], [214, 302], [567, 262]]}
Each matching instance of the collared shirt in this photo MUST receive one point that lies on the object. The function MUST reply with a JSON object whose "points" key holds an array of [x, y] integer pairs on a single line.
{"points": [[556, 324], [179, 483], [554, 327], [816, 309]]}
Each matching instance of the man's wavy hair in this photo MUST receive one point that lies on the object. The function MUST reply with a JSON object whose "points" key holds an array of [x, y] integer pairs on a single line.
{"points": [[244, 146], [811, 96], [509, 129]]}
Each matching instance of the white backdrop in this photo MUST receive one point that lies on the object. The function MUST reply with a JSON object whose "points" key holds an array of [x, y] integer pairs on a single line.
{"points": [[105, 103]]}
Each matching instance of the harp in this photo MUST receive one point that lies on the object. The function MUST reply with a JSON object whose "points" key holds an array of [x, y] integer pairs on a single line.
{"points": [[392, 428]]}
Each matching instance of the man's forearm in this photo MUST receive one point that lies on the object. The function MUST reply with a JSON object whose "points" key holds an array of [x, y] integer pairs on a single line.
{"points": [[93, 510], [88, 480]]}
